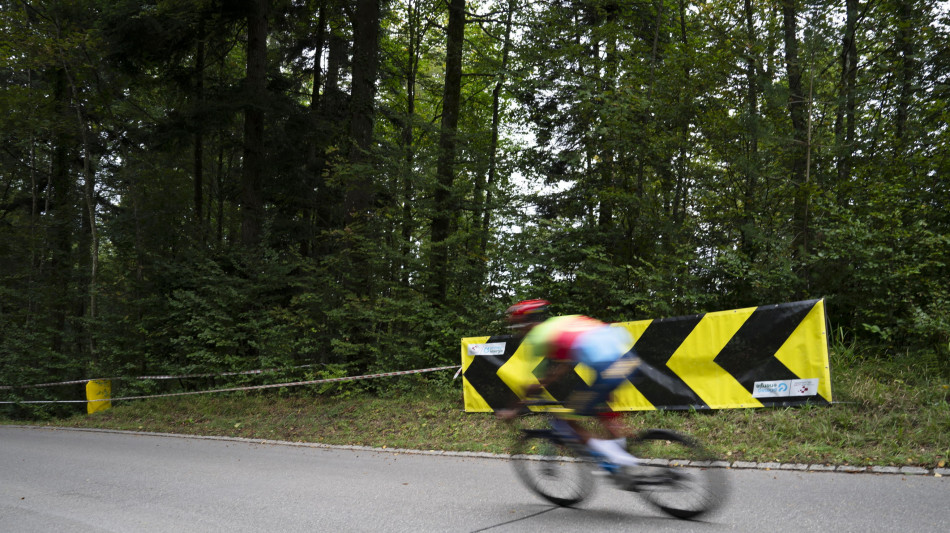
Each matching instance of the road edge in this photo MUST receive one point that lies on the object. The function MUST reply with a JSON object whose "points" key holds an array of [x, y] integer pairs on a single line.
{"points": [[734, 465]]}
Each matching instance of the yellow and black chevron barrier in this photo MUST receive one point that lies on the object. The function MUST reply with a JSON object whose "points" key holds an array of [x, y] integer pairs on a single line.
{"points": [[754, 357]]}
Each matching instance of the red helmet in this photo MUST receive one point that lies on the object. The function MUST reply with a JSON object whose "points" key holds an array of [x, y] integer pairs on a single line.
{"points": [[527, 312]]}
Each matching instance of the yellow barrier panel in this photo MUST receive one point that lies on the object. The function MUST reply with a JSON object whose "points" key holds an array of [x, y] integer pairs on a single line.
{"points": [[771, 355], [98, 389]]}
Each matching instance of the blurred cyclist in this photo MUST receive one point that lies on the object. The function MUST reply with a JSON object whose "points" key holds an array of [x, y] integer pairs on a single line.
{"points": [[567, 340]]}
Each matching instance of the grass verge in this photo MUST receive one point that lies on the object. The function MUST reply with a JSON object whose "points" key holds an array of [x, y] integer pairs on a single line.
{"points": [[885, 416]]}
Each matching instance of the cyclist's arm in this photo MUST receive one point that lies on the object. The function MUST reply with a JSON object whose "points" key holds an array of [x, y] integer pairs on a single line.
{"points": [[556, 370]]}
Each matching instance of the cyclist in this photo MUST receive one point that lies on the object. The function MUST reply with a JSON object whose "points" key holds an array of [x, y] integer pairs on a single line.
{"points": [[565, 341]]}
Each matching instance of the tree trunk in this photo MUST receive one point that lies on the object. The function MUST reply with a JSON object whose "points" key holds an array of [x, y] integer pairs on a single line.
{"points": [[328, 200], [252, 203], [495, 125], [445, 167], [34, 210], [319, 43], [199, 130], [844, 118], [686, 117], [89, 223], [359, 192], [408, 136], [798, 150], [608, 157], [308, 210], [752, 146], [906, 70], [62, 213]]}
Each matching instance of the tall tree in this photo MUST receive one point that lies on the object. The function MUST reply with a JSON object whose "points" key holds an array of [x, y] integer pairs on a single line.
{"points": [[252, 201], [845, 119], [492, 178], [410, 53], [798, 149], [753, 120], [199, 97], [444, 198], [359, 192]]}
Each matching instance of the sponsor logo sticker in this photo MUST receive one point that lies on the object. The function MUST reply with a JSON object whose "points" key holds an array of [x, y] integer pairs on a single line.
{"points": [[803, 387], [785, 388], [491, 348]]}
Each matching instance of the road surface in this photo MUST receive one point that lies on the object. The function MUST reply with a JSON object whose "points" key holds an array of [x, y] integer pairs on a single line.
{"points": [[72, 480]]}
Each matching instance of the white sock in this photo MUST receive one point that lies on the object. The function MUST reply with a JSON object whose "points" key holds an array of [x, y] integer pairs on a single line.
{"points": [[613, 451], [622, 443]]}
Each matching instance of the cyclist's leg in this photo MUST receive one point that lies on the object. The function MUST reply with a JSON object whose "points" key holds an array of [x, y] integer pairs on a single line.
{"points": [[602, 350], [629, 364], [612, 425], [610, 375], [593, 402]]}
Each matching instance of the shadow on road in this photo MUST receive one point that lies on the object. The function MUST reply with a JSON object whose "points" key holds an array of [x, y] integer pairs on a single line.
{"points": [[544, 517]]}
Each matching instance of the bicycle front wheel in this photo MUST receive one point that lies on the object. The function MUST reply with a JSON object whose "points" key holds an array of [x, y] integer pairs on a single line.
{"points": [[551, 469], [667, 482]]}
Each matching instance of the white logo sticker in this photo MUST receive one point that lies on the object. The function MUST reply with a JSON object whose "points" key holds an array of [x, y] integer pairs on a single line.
{"points": [[803, 387], [492, 348], [783, 388], [770, 389]]}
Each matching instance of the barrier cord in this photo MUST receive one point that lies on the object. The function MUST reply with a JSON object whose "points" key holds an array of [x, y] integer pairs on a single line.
{"points": [[155, 378], [251, 387]]}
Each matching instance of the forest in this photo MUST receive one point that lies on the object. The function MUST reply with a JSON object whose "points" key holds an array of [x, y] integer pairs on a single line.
{"points": [[201, 186]]}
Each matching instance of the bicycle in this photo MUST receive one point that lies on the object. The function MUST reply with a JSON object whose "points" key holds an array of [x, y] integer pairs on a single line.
{"points": [[554, 463]]}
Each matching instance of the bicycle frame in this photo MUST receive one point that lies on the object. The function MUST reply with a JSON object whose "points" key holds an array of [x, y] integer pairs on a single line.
{"points": [[679, 492]]}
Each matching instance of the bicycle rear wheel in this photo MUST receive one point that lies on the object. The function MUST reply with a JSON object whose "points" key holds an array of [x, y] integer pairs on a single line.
{"points": [[666, 482], [551, 469]]}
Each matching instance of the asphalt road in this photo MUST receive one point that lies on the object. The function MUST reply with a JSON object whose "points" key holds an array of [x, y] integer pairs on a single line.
{"points": [[67, 480]]}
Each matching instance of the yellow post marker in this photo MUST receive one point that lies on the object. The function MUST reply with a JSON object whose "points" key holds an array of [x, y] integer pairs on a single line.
{"points": [[98, 394]]}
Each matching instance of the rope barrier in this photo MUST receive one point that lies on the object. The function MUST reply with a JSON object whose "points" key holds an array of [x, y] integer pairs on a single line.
{"points": [[156, 378], [252, 387]]}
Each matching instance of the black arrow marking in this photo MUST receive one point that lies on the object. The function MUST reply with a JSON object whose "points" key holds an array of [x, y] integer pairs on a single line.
{"points": [[658, 384], [750, 354]]}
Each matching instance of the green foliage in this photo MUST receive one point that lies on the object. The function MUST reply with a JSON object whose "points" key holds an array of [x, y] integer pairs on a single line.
{"points": [[646, 165], [339, 389]]}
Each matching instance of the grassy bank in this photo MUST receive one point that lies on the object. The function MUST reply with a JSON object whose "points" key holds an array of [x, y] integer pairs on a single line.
{"points": [[885, 415]]}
